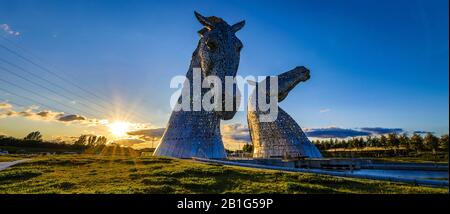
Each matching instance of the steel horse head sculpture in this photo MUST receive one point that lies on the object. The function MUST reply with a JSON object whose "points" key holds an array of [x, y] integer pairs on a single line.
{"points": [[283, 137], [197, 133]]}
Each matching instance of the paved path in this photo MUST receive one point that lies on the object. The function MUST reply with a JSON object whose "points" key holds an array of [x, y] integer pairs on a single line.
{"points": [[4, 165]]}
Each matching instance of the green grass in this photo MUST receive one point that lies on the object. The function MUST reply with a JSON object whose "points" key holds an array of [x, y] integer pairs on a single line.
{"points": [[107, 174]]}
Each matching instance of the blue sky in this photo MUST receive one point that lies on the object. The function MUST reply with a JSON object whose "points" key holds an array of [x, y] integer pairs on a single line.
{"points": [[373, 63]]}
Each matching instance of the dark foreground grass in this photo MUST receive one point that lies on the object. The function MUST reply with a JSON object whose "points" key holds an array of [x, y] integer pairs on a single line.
{"points": [[106, 174]]}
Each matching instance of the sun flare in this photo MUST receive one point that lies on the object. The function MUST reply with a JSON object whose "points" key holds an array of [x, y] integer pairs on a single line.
{"points": [[119, 128]]}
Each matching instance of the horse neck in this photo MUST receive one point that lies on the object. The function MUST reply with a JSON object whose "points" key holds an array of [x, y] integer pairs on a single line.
{"points": [[195, 63]]}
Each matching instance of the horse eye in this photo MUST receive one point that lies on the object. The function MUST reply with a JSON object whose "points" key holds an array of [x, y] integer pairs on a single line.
{"points": [[211, 45]]}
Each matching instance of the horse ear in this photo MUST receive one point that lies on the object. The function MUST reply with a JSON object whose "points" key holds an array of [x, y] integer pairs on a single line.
{"points": [[236, 27], [204, 21]]}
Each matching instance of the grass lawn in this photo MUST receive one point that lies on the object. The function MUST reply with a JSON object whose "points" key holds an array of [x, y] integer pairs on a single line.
{"points": [[108, 174]]}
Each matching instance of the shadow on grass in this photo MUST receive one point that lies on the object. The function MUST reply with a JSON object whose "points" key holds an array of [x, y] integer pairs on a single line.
{"points": [[9, 176]]}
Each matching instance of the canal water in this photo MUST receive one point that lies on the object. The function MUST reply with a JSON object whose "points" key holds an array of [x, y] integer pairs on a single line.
{"points": [[415, 174]]}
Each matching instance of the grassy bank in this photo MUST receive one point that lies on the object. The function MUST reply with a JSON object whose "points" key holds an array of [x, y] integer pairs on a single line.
{"points": [[106, 174]]}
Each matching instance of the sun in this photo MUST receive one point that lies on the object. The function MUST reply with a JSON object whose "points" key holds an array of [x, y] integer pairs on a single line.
{"points": [[119, 128]]}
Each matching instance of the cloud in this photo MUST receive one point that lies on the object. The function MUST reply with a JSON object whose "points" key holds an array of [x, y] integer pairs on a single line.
{"points": [[32, 113], [235, 136], [5, 106], [324, 110], [148, 134], [6, 28], [151, 133], [422, 132], [380, 131], [236, 132], [334, 132], [71, 117]]}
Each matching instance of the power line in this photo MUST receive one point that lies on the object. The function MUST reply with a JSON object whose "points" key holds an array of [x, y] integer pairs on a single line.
{"points": [[45, 97], [39, 66], [24, 106], [27, 98], [53, 73], [47, 81], [12, 102], [47, 70], [42, 68], [41, 86]]}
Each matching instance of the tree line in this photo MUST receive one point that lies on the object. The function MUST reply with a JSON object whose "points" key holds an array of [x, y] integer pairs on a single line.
{"points": [[416, 142], [34, 140]]}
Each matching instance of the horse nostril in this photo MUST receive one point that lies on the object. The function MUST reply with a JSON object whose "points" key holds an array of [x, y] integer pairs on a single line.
{"points": [[307, 75], [306, 72]]}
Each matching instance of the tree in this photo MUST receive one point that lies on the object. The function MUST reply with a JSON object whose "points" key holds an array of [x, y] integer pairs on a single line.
{"points": [[404, 141], [359, 143], [416, 142], [91, 140], [369, 142], [81, 140], [247, 148], [101, 141], [383, 141], [375, 142], [393, 141], [35, 136], [431, 142], [443, 142]]}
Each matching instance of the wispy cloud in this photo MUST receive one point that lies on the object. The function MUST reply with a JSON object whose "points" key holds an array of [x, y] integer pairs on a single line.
{"points": [[30, 113], [235, 133], [5, 106], [336, 132], [422, 132], [380, 130], [324, 110], [71, 117], [235, 136], [148, 134], [33, 113], [6, 28]]}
